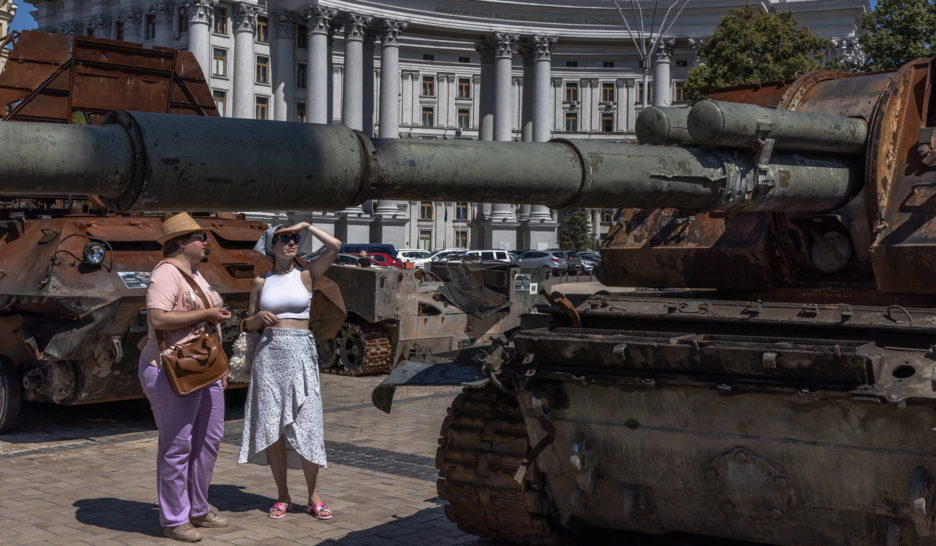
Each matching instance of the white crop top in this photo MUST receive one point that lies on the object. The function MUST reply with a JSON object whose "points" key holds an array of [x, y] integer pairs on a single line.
{"points": [[285, 296]]}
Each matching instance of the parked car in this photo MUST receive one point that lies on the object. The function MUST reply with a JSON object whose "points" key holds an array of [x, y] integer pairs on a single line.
{"points": [[419, 257], [353, 259], [370, 248], [573, 262], [543, 258], [385, 260], [487, 255], [441, 255]]}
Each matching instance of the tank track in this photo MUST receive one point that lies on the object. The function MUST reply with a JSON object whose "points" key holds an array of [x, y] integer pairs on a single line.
{"points": [[483, 442], [376, 347]]}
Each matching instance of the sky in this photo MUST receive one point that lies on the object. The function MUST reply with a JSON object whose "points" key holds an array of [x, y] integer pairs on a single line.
{"points": [[24, 21]]}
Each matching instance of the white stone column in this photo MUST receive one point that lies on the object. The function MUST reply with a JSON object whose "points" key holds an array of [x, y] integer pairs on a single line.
{"points": [[475, 100], [443, 80], [407, 97], [631, 88], [317, 93], [369, 83], [503, 44], [199, 21], [352, 102], [284, 67], [662, 95], [389, 32], [245, 25], [542, 47], [486, 98], [164, 11], [558, 121]]}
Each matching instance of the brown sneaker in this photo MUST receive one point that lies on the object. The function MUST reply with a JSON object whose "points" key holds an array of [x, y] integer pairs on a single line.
{"points": [[211, 519], [183, 533]]}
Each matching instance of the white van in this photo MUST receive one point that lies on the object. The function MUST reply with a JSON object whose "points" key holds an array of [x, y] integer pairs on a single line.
{"points": [[487, 255]]}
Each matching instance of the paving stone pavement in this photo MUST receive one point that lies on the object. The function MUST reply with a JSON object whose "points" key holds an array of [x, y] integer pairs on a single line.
{"points": [[87, 476]]}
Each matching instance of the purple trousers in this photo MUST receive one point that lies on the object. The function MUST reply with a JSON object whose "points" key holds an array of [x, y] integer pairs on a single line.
{"points": [[190, 432]]}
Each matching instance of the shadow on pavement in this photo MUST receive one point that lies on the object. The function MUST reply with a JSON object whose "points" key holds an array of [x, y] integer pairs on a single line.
{"points": [[119, 515], [232, 498], [426, 527]]}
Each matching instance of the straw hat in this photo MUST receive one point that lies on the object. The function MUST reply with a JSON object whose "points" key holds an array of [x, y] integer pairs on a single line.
{"points": [[178, 225]]}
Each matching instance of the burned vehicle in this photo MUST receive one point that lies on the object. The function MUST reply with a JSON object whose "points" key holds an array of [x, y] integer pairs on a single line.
{"points": [[73, 275], [396, 314], [780, 388]]}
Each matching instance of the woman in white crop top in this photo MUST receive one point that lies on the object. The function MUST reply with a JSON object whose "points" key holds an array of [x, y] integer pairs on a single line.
{"points": [[283, 413]]}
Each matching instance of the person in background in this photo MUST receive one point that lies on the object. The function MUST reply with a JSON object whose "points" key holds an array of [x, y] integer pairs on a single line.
{"points": [[191, 426], [283, 412]]}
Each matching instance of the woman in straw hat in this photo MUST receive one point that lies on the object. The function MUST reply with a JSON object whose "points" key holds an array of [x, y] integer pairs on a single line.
{"points": [[283, 413], [190, 426]]}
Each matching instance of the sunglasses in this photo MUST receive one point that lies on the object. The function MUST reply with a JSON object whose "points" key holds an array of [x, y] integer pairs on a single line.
{"points": [[286, 239], [197, 237]]}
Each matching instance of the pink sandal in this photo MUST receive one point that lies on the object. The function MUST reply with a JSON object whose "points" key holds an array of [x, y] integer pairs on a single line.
{"points": [[320, 511], [281, 507]]}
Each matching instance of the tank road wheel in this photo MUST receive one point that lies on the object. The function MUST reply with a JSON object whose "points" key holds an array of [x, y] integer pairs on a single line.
{"points": [[483, 442], [11, 394], [327, 354], [361, 350], [350, 348]]}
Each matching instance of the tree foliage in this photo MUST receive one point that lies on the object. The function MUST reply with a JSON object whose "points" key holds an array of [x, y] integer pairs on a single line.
{"points": [[897, 32], [750, 46], [576, 233]]}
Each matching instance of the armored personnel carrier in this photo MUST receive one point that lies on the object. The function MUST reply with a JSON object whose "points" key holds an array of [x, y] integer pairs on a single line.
{"points": [[778, 386]]}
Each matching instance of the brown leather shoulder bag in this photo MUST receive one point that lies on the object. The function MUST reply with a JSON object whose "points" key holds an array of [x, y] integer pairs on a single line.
{"points": [[198, 362]]}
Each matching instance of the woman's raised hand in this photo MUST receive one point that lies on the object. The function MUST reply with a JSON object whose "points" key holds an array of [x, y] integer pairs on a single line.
{"points": [[268, 318]]}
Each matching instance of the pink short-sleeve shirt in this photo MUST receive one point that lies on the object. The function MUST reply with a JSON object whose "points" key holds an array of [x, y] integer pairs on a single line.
{"points": [[168, 290]]}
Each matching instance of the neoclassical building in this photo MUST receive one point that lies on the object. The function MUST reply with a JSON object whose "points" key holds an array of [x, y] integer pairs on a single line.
{"points": [[7, 12], [434, 69]]}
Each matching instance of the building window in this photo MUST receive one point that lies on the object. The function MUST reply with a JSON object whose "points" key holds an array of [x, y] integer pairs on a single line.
{"points": [[428, 116], [607, 216], [461, 211], [425, 240], [150, 28], [607, 123], [220, 99], [461, 238], [571, 122], [678, 92], [464, 88], [119, 31], [300, 112], [649, 92], [426, 210], [571, 92], [89, 32], [608, 64], [220, 21], [301, 75], [302, 36], [464, 119], [428, 57], [263, 29], [262, 110], [571, 64], [263, 69], [219, 65], [682, 63], [465, 60], [607, 92], [182, 16], [428, 86]]}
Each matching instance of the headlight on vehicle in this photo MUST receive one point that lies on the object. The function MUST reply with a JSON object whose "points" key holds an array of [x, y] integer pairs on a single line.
{"points": [[94, 253]]}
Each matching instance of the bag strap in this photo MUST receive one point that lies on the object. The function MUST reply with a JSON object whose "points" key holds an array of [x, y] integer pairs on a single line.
{"points": [[160, 334]]}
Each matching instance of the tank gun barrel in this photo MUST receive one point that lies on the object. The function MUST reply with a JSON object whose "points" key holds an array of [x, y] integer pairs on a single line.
{"points": [[140, 161]]}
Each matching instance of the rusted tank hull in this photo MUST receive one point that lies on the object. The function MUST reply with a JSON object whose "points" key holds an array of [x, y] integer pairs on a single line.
{"points": [[783, 467]]}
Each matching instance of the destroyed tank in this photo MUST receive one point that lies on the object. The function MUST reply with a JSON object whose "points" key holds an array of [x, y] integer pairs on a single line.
{"points": [[406, 314], [73, 275], [774, 384]]}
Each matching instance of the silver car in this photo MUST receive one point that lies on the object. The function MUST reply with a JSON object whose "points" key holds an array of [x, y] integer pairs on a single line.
{"points": [[543, 258]]}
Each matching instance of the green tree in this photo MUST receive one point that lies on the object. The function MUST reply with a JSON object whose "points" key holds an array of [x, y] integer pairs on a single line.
{"points": [[750, 46], [897, 32], [576, 233]]}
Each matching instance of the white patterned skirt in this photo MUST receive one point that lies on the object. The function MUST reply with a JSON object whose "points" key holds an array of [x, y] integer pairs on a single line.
{"points": [[284, 399]]}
